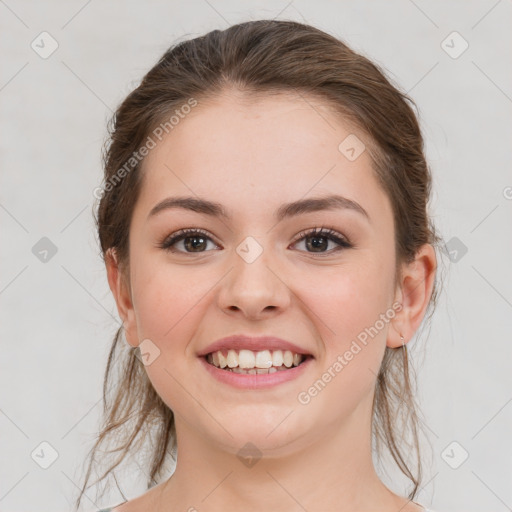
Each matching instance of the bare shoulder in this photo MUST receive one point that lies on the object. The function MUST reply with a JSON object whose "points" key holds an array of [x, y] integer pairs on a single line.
{"points": [[136, 505], [129, 506], [123, 507], [141, 503], [412, 506]]}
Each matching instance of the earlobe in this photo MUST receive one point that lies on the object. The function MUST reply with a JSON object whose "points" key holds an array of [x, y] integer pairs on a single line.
{"points": [[414, 293], [120, 290]]}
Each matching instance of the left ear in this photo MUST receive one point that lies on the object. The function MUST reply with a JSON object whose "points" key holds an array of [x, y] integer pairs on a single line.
{"points": [[413, 292]]}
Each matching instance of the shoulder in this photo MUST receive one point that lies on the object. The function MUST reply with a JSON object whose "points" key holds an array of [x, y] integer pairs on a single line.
{"points": [[424, 508], [132, 505], [117, 508], [143, 502]]}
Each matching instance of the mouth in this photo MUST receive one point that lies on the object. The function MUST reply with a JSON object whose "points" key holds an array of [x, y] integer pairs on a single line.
{"points": [[255, 363], [251, 362]]}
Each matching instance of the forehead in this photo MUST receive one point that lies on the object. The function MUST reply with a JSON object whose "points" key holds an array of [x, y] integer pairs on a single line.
{"points": [[251, 151]]}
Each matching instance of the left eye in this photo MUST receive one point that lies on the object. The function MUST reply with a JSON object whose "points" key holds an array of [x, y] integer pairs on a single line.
{"points": [[320, 238], [196, 241]]}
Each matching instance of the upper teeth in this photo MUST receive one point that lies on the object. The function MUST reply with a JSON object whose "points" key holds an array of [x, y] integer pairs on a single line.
{"points": [[249, 359]]}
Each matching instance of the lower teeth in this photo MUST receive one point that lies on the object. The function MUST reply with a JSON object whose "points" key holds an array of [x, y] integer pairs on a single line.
{"points": [[256, 371]]}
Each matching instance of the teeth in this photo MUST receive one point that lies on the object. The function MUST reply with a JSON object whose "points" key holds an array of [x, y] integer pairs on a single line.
{"points": [[277, 358], [256, 371], [232, 359], [246, 359], [263, 359], [222, 360], [254, 363]]}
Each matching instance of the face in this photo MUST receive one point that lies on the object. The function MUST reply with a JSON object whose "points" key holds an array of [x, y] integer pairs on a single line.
{"points": [[256, 273]]}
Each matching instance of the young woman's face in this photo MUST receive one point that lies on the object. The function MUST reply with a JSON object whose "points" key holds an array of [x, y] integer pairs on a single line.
{"points": [[258, 272]]}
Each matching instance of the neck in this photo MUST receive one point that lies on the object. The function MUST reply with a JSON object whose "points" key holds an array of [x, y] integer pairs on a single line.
{"points": [[333, 471]]}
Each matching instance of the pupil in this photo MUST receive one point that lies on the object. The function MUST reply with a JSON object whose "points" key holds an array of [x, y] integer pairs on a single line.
{"points": [[194, 245], [315, 243]]}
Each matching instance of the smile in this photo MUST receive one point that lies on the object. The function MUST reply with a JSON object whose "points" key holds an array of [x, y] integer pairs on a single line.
{"points": [[246, 369], [255, 363]]}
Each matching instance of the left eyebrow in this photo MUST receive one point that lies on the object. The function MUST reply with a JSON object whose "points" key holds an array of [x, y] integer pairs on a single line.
{"points": [[286, 210], [331, 202]]}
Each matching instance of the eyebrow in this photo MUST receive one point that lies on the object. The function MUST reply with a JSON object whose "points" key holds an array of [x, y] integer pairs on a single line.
{"points": [[286, 210]]}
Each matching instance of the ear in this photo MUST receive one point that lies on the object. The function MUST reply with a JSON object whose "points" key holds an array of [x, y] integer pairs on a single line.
{"points": [[118, 283], [413, 292]]}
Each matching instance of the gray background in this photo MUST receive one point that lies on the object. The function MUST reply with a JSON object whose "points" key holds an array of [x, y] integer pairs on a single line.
{"points": [[57, 315]]}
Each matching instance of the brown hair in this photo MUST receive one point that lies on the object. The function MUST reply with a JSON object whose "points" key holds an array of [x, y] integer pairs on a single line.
{"points": [[264, 56]]}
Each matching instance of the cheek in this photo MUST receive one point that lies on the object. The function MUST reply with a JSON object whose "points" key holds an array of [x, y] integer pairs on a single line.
{"points": [[168, 310], [349, 298], [352, 307], [167, 300]]}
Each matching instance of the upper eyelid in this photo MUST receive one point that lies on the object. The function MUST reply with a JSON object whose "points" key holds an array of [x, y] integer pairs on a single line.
{"points": [[322, 230], [183, 233]]}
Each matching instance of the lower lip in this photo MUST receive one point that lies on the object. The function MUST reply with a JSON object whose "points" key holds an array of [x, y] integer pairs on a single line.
{"points": [[258, 381]]}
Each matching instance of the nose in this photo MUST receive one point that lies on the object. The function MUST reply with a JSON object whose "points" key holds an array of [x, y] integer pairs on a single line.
{"points": [[254, 289]]}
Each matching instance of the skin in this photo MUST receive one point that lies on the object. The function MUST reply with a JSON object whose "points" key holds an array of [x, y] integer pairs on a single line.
{"points": [[251, 155]]}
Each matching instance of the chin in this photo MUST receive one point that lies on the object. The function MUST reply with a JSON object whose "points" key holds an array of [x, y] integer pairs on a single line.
{"points": [[272, 436]]}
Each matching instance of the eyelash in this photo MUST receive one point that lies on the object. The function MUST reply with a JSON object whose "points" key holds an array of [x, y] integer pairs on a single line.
{"points": [[328, 233]]}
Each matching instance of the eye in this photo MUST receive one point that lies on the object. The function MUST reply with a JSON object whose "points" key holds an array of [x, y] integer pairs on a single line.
{"points": [[195, 240], [319, 239]]}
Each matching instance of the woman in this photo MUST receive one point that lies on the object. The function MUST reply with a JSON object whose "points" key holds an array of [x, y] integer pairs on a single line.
{"points": [[264, 226]]}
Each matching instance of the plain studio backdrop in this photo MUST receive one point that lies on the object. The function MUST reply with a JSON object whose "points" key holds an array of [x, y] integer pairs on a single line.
{"points": [[65, 68]]}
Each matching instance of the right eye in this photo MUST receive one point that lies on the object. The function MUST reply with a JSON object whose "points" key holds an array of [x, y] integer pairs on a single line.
{"points": [[194, 241]]}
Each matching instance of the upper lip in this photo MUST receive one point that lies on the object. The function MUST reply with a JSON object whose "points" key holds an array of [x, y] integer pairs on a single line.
{"points": [[242, 341]]}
